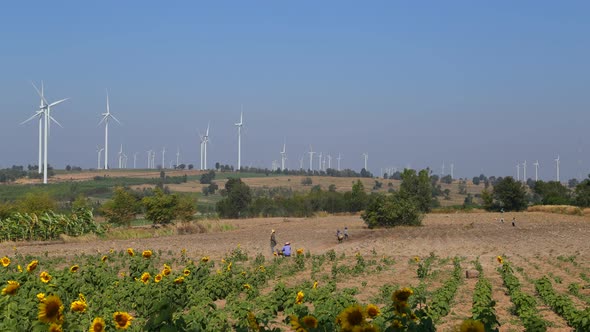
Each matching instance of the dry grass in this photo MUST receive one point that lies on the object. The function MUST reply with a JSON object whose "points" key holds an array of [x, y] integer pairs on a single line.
{"points": [[561, 209], [78, 239]]}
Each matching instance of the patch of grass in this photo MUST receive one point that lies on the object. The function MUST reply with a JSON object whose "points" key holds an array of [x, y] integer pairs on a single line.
{"points": [[560, 209]]}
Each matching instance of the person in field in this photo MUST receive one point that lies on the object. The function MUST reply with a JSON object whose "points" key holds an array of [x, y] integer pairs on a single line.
{"points": [[287, 249], [273, 242], [339, 236], [346, 233], [513, 221]]}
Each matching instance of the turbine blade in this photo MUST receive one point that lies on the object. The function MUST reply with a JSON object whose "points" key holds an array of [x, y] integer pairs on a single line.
{"points": [[54, 120], [104, 118], [112, 116], [40, 94], [58, 102], [29, 119]]}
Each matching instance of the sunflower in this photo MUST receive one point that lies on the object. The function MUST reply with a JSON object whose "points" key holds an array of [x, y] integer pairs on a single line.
{"points": [[55, 328], [373, 311], [402, 295], [45, 277], [416, 259], [146, 254], [315, 285], [179, 280], [351, 317], [51, 310], [186, 272], [247, 286], [12, 287], [396, 324], [158, 278], [300, 251], [310, 321], [167, 270], [261, 268], [5, 261], [295, 324], [130, 252], [471, 325], [41, 297], [229, 266], [104, 258], [32, 266], [500, 259], [79, 305], [299, 298], [145, 277], [205, 259], [98, 325], [74, 268], [252, 322], [243, 273], [122, 320], [19, 268]]}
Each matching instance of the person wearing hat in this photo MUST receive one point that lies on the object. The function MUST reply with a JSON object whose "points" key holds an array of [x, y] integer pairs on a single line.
{"points": [[273, 242], [287, 249]]}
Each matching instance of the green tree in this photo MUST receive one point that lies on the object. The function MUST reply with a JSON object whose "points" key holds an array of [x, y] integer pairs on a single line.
{"points": [[357, 200], [237, 196], [37, 203], [509, 195], [186, 208], [582, 193], [552, 193], [392, 210], [122, 208], [81, 203], [160, 208], [207, 177], [476, 180], [417, 187]]}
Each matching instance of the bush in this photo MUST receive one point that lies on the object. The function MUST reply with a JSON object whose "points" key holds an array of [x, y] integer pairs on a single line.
{"points": [[122, 208], [392, 210], [160, 208], [509, 195]]}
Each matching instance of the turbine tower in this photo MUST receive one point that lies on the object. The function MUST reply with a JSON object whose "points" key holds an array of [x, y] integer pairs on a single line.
{"points": [[283, 156], [177, 156], [205, 143], [557, 163], [536, 170], [329, 161], [442, 171], [311, 158], [452, 169], [320, 161], [106, 117], [339, 157], [163, 154], [524, 171], [121, 156], [135, 160], [239, 125], [301, 163], [46, 107], [202, 138], [39, 113], [366, 155], [149, 159], [517, 171], [99, 151]]}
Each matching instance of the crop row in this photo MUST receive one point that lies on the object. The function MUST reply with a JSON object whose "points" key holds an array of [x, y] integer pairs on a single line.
{"points": [[563, 305], [483, 308]]}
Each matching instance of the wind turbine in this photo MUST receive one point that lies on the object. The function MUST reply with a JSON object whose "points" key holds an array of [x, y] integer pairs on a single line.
{"points": [[452, 168], [524, 171], [135, 160], [39, 113], [301, 163], [311, 158], [320, 161], [536, 170], [121, 156], [517, 171], [366, 155], [46, 107], [239, 125], [329, 161], [557, 163], [442, 172], [283, 156], [339, 157], [149, 159], [99, 151], [205, 143], [163, 153], [106, 117], [177, 156]]}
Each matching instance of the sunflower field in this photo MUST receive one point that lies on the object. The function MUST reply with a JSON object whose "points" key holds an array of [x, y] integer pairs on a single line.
{"points": [[142, 290]]}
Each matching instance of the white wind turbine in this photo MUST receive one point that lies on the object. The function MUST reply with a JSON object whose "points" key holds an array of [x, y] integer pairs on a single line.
{"points": [[320, 161], [329, 161], [121, 156], [205, 143], [149, 159], [177, 156], [46, 107], [339, 157], [283, 156], [99, 151], [106, 117], [536, 170], [557, 164], [163, 160], [311, 158], [524, 171], [366, 156], [39, 113], [442, 171], [239, 125], [301, 163], [452, 169], [517, 171], [135, 160]]}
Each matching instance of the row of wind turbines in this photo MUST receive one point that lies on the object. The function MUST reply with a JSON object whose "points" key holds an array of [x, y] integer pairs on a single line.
{"points": [[536, 164]]}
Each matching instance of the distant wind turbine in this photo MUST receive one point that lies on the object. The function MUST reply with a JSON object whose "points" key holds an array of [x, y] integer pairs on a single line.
{"points": [[163, 154], [311, 158], [517, 171], [536, 170], [366, 155], [320, 161], [329, 161], [135, 159], [452, 169], [524, 171], [239, 125], [339, 157], [177, 156], [106, 117], [283, 156], [557, 164], [99, 151], [39, 114], [121, 157]]}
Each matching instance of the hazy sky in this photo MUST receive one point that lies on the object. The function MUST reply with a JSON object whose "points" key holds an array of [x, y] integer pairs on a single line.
{"points": [[482, 84]]}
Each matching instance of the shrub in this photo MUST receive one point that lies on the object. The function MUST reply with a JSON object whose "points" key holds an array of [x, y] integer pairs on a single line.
{"points": [[392, 210]]}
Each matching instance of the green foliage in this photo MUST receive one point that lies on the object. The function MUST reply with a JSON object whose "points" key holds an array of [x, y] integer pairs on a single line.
{"points": [[36, 203], [237, 197], [307, 181], [582, 193], [207, 177], [509, 195], [186, 208], [161, 208], [552, 193], [417, 187], [47, 226], [122, 208], [357, 200], [440, 304], [392, 210], [563, 305], [483, 305]]}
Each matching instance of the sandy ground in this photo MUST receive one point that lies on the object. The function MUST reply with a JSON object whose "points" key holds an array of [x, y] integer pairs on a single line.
{"points": [[533, 244]]}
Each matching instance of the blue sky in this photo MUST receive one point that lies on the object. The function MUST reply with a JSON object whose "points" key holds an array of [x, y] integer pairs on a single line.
{"points": [[481, 84]]}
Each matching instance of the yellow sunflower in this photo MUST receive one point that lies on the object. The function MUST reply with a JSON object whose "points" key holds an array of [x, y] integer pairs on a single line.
{"points": [[370, 328], [5, 261], [315, 285], [205, 259], [146, 254], [471, 325], [167, 270], [32, 266], [51, 310], [396, 324], [179, 280], [130, 252], [295, 324], [98, 325], [247, 286], [416, 259], [12, 287], [310, 321], [122, 320], [145, 277], [74, 268], [104, 258], [45, 277], [252, 322], [299, 298], [402, 295], [300, 251], [158, 278], [229, 266], [41, 297], [55, 328], [351, 317], [261, 268], [186, 272], [19, 268], [79, 305], [500, 259], [373, 311]]}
